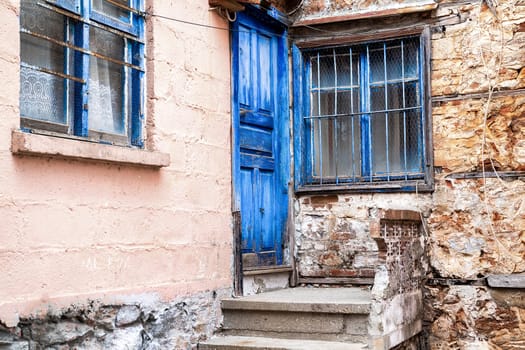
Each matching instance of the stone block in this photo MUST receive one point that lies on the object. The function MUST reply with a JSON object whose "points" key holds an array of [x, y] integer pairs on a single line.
{"points": [[507, 281], [50, 333], [127, 314], [178, 324]]}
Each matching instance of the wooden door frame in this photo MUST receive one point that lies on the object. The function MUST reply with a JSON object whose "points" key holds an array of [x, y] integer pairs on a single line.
{"points": [[282, 126]]}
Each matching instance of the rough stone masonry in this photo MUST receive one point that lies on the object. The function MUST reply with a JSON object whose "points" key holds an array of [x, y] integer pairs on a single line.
{"points": [[178, 324], [475, 218]]}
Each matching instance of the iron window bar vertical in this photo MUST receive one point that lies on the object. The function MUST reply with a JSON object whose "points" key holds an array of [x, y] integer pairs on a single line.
{"points": [[336, 149]]}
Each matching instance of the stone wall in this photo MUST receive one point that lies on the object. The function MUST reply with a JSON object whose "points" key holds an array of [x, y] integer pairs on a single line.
{"points": [[477, 224], [333, 234], [178, 324], [333, 238], [475, 317], [475, 218]]}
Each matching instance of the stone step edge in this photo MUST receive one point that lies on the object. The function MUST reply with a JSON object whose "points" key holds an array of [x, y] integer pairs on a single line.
{"points": [[332, 308], [263, 343]]}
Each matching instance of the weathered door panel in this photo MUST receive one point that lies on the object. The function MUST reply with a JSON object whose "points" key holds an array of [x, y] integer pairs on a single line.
{"points": [[260, 136]]}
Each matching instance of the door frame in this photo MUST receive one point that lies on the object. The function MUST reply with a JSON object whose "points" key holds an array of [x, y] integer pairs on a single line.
{"points": [[282, 126]]}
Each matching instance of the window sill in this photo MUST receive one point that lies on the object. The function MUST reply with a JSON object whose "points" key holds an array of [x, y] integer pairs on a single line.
{"points": [[402, 186], [23, 143]]}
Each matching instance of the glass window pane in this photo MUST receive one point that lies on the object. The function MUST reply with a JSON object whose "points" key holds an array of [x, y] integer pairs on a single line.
{"points": [[111, 10], [313, 70], [348, 150], [327, 73], [348, 101], [337, 147], [41, 53], [42, 96], [378, 143], [387, 143], [314, 104], [413, 141], [344, 67], [106, 43], [396, 143], [36, 51], [377, 98], [38, 19], [326, 101], [395, 96], [323, 134], [106, 84], [376, 64], [393, 61], [411, 58], [394, 134], [412, 94], [106, 112]]}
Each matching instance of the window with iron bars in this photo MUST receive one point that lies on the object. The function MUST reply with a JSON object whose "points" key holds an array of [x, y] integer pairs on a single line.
{"points": [[82, 67], [363, 119]]}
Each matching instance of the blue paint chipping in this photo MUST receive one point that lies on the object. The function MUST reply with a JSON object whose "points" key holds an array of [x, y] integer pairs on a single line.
{"points": [[260, 158], [80, 119], [70, 5]]}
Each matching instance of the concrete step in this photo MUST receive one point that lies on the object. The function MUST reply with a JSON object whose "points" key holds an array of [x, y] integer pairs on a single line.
{"points": [[326, 300], [249, 343], [335, 314]]}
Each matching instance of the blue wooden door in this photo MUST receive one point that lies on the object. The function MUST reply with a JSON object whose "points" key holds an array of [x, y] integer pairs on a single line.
{"points": [[260, 136]]}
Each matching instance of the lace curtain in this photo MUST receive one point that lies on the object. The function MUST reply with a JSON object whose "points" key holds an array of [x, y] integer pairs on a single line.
{"points": [[106, 110], [42, 95]]}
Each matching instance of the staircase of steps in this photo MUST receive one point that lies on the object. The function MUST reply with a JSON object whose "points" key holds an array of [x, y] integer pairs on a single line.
{"points": [[294, 319]]}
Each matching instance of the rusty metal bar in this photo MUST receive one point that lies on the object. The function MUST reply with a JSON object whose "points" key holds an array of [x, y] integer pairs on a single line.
{"points": [[52, 72], [80, 49], [89, 22], [361, 113], [125, 7]]}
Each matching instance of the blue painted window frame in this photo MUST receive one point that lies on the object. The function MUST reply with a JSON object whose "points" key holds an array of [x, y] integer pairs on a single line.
{"points": [[80, 17], [305, 177]]}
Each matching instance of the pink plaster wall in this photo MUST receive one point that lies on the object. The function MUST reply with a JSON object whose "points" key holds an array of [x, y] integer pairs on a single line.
{"points": [[74, 230]]}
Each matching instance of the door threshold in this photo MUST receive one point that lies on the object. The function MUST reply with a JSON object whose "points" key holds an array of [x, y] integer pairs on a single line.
{"points": [[262, 270]]}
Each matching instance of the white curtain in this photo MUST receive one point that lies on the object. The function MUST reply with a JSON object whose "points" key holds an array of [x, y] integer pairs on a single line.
{"points": [[41, 94], [106, 112]]}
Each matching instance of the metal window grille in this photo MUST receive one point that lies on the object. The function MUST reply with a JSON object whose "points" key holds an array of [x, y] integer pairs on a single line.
{"points": [[365, 122]]}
